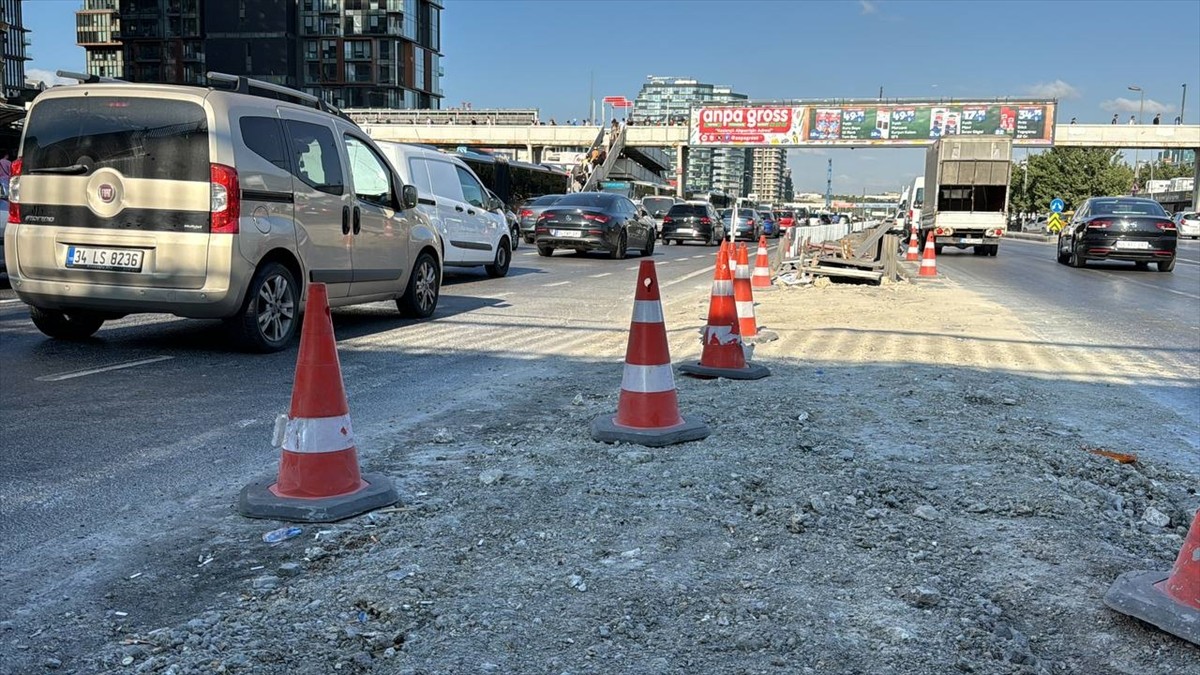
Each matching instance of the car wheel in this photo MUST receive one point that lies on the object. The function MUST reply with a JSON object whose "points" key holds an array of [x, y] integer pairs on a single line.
{"points": [[421, 296], [1075, 259], [545, 251], [993, 249], [649, 249], [499, 267], [666, 242], [270, 312], [1061, 256], [618, 253], [65, 325], [1166, 265], [529, 240], [514, 236]]}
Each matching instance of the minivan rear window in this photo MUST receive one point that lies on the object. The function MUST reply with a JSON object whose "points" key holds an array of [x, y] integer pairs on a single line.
{"points": [[139, 137], [688, 210]]}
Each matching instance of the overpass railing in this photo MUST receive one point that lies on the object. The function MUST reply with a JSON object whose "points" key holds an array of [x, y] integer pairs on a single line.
{"points": [[494, 116]]}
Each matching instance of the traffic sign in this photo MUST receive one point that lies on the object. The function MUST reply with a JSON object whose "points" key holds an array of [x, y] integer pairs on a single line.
{"points": [[1054, 223], [1057, 205]]}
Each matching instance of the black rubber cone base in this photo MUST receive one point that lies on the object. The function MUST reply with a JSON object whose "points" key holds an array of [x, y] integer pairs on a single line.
{"points": [[752, 371], [1134, 594], [606, 430], [257, 501]]}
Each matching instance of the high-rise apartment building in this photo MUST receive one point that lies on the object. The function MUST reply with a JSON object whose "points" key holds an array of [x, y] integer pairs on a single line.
{"points": [[15, 39], [668, 100], [768, 166], [352, 53]]}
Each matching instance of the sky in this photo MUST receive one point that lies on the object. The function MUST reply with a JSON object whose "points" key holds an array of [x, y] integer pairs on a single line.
{"points": [[556, 55]]}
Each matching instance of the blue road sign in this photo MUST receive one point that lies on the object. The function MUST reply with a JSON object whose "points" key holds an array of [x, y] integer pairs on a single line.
{"points": [[1057, 205]]}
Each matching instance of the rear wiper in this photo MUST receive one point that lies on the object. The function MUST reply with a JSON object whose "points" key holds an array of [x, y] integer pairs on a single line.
{"points": [[71, 170]]}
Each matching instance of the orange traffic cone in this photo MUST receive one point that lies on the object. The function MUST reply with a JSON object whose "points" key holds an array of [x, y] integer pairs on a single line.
{"points": [[1169, 601], [648, 408], [724, 354], [318, 479], [761, 279], [914, 252], [929, 260], [743, 298]]}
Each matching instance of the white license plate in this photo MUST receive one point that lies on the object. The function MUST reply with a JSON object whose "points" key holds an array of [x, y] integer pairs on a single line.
{"points": [[969, 240], [567, 233], [1133, 245], [115, 259]]}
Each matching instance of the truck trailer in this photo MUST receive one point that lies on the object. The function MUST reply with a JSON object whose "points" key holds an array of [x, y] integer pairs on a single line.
{"points": [[966, 193]]}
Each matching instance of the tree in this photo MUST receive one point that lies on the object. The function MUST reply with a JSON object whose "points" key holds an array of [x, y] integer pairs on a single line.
{"points": [[1071, 174]]}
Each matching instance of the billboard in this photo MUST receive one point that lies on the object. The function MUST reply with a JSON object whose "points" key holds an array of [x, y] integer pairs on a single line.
{"points": [[857, 124]]}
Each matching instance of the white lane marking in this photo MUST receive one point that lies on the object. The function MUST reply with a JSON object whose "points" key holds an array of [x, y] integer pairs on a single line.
{"points": [[663, 262], [697, 257], [557, 283], [597, 276], [702, 270], [10, 301], [1158, 288], [634, 267], [92, 371]]}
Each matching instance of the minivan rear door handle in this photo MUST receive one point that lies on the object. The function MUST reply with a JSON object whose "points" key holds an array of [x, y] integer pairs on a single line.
{"points": [[345, 220], [470, 212], [459, 209], [357, 220]]}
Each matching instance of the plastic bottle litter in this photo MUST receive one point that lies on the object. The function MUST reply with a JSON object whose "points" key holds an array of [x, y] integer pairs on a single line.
{"points": [[283, 533]]}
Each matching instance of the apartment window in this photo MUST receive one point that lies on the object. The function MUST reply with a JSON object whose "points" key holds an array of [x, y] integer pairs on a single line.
{"points": [[357, 49], [419, 68], [329, 50], [435, 29], [310, 25], [310, 50], [410, 20], [358, 72]]}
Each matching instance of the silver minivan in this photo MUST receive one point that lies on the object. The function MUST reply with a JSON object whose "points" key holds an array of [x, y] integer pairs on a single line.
{"points": [[207, 202], [474, 230]]}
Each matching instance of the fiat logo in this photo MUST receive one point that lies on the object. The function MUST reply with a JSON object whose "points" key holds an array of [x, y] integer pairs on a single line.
{"points": [[107, 193]]}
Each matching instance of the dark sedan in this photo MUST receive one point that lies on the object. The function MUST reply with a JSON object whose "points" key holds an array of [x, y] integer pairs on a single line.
{"points": [[747, 225], [594, 221], [530, 211], [692, 221], [1119, 228]]}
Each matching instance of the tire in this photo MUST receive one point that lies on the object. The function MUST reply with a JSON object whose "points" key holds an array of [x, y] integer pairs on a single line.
{"points": [[649, 248], [1142, 265], [622, 247], [666, 242], [1075, 260], [545, 251], [421, 296], [529, 240], [1166, 265], [499, 266], [270, 313], [1060, 256], [993, 249], [937, 248], [65, 325], [979, 250], [514, 236]]}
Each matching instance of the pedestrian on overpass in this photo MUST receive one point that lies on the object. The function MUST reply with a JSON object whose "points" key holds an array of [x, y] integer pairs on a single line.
{"points": [[1132, 120], [1157, 118], [1114, 119]]}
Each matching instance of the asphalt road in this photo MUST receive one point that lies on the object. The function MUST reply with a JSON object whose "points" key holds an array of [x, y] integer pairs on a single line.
{"points": [[155, 424]]}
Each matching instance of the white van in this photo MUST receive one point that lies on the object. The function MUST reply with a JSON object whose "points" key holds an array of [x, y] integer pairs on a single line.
{"points": [[471, 223], [916, 201]]}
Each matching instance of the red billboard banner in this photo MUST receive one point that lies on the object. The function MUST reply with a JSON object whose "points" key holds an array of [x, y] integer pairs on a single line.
{"points": [[750, 125]]}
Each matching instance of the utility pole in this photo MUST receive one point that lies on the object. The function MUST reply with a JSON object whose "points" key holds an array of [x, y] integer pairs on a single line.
{"points": [[881, 92], [829, 184], [1182, 102]]}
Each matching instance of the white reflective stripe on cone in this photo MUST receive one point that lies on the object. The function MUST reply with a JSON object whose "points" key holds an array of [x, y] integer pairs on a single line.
{"points": [[722, 287], [745, 309], [318, 434], [762, 251], [743, 272], [647, 379], [647, 311], [762, 272]]}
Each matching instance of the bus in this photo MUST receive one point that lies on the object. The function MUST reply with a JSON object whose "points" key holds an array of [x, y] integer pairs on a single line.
{"points": [[515, 182], [718, 199], [635, 189]]}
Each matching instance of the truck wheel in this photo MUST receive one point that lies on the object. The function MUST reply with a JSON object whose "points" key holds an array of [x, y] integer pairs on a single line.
{"points": [[993, 249], [937, 248], [979, 250]]}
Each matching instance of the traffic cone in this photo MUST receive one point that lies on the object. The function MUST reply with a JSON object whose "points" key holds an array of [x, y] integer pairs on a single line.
{"points": [[762, 267], [929, 261], [743, 298], [648, 408], [724, 354], [727, 250], [914, 252], [1168, 601], [318, 480]]}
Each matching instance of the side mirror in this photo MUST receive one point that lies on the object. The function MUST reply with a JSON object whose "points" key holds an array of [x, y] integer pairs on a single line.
{"points": [[408, 197]]}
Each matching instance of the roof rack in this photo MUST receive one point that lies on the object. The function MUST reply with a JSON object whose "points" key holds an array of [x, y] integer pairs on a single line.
{"points": [[87, 78], [246, 85]]}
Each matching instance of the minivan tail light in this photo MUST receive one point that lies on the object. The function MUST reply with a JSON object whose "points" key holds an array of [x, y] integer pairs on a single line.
{"points": [[225, 200], [14, 193], [1099, 224], [705, 220], [668, 219]]}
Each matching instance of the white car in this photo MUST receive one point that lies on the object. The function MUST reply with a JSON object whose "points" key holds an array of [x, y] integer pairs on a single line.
{"points": [[470, 220], [1187, 223]]}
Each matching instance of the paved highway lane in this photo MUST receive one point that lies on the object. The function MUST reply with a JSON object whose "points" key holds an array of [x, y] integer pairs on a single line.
{"points": [[1101, 309], [155, 422]]}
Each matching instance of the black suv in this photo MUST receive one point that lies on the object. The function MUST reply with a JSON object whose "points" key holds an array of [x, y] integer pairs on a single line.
{"points": [[692, 222]]}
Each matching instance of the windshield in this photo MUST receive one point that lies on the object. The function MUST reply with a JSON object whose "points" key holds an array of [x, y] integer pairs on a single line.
{"points": [[767, 215], [545, 200], [1127, 207], [657, 206], [919, 201], [688, 210]]}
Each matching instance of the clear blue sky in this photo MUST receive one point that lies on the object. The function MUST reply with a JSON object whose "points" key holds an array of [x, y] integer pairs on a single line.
{"points": [[543, 53]]}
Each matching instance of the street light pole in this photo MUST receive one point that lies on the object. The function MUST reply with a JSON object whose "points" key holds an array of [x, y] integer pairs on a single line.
{"points": [[1141, 108], [1182, 102]]}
